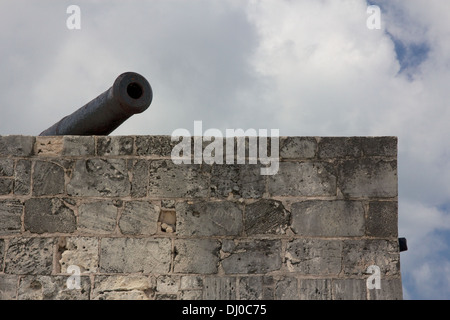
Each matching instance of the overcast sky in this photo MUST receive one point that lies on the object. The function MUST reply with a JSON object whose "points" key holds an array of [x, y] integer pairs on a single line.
{"points": [[305, 67]]}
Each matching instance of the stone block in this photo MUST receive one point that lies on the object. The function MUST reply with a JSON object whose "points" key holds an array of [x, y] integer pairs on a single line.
{"points": [[379, 146], [81, 252], [390, 289], [6, 186], [368, 178], [140, 175], [191, 283], [250, 288], [52, 288], [29, 256], [239, 180], [115, 145], [139, 218], [123, 255], [349, 289], [256, 256], [97, 217], [49, 146], [382, 219], [169, 180], [266, 217], [48, 178], [78, 146], [298, 147], [200, 256], [167, 284], [22, 177], [157, 146], [122, 287], [6, 167], [16, 146], [315, 289], [303, 179], [48, 215], [328, 218], [223, 218], [8, 285], [339, 147], [10, 216], [314, 256], [219, 288], [99, 178], [286, 289]]}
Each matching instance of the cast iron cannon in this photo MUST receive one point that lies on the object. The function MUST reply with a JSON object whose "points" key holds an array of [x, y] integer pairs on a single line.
{"points": [[130, 94]]}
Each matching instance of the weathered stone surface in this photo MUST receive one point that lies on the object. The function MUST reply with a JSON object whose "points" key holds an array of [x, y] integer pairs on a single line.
{"points": [[78, 146], [358, 255], [10, 216], [99, 177], [115, 145], [97, 217], [2, 253], [208, 218], [139, 217], [123, 255], [29, 256], [191, 295], [328, 218], [167, 284], [191, 283], [339, 147], [382, 219], [314, 256], [219, 288], [6, 167], [48, 178], [48, 215], [140, 175], [81, 252], [349, 289], [286, 289], [49, 146], [22, 177], [257, 256], [298, 147], [266, 217], [368, 178], [159, 146], [240, 180], [303, 179], [6, 186], [123, 287], [52, 288], [188, 251], [379, 146], [315, 289], [17, 146], [8, 285], [250, 288], [390, 289], [169, 180]]}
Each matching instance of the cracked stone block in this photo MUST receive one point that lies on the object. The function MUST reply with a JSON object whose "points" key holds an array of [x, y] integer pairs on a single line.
{"points": [[52, 288], [266, 217], [390, 289], [314, 256], [188, 251], [303, 179], [99, 177], [10, 216], [139, 182], [358, 255], [349, 289], [78, 146], [17, 146], [123, 287], [250, 288], [22, 177], [8, 285], [48, 178], [48, 146], [208, 218], [382, 219], [139, 217], [219, 288], [315, 289], [286, 289], [97, 217], [115, 145], [256, 256], [240, 180], [123, 255], [48, 215], [169, 180], [368, 178], [379, 146], [29, 256], [298, 147], [328, 218], [339, 147], [81, 252]]}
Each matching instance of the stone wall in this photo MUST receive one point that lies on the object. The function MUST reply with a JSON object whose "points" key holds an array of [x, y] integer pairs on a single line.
{"points": [[137, 226]]}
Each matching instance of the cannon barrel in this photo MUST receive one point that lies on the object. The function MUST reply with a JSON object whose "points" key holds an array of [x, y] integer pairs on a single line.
{"points": [[130, 94]]}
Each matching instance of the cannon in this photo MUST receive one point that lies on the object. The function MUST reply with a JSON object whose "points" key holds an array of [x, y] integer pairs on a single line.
{"points": [[130, 94]]}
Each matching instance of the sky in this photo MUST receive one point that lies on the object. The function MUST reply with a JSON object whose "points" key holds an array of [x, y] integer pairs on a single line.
{"points": [[305, 67]]}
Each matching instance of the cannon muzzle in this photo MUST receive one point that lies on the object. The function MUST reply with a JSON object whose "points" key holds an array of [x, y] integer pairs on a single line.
{"points": [[130, 94]]}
